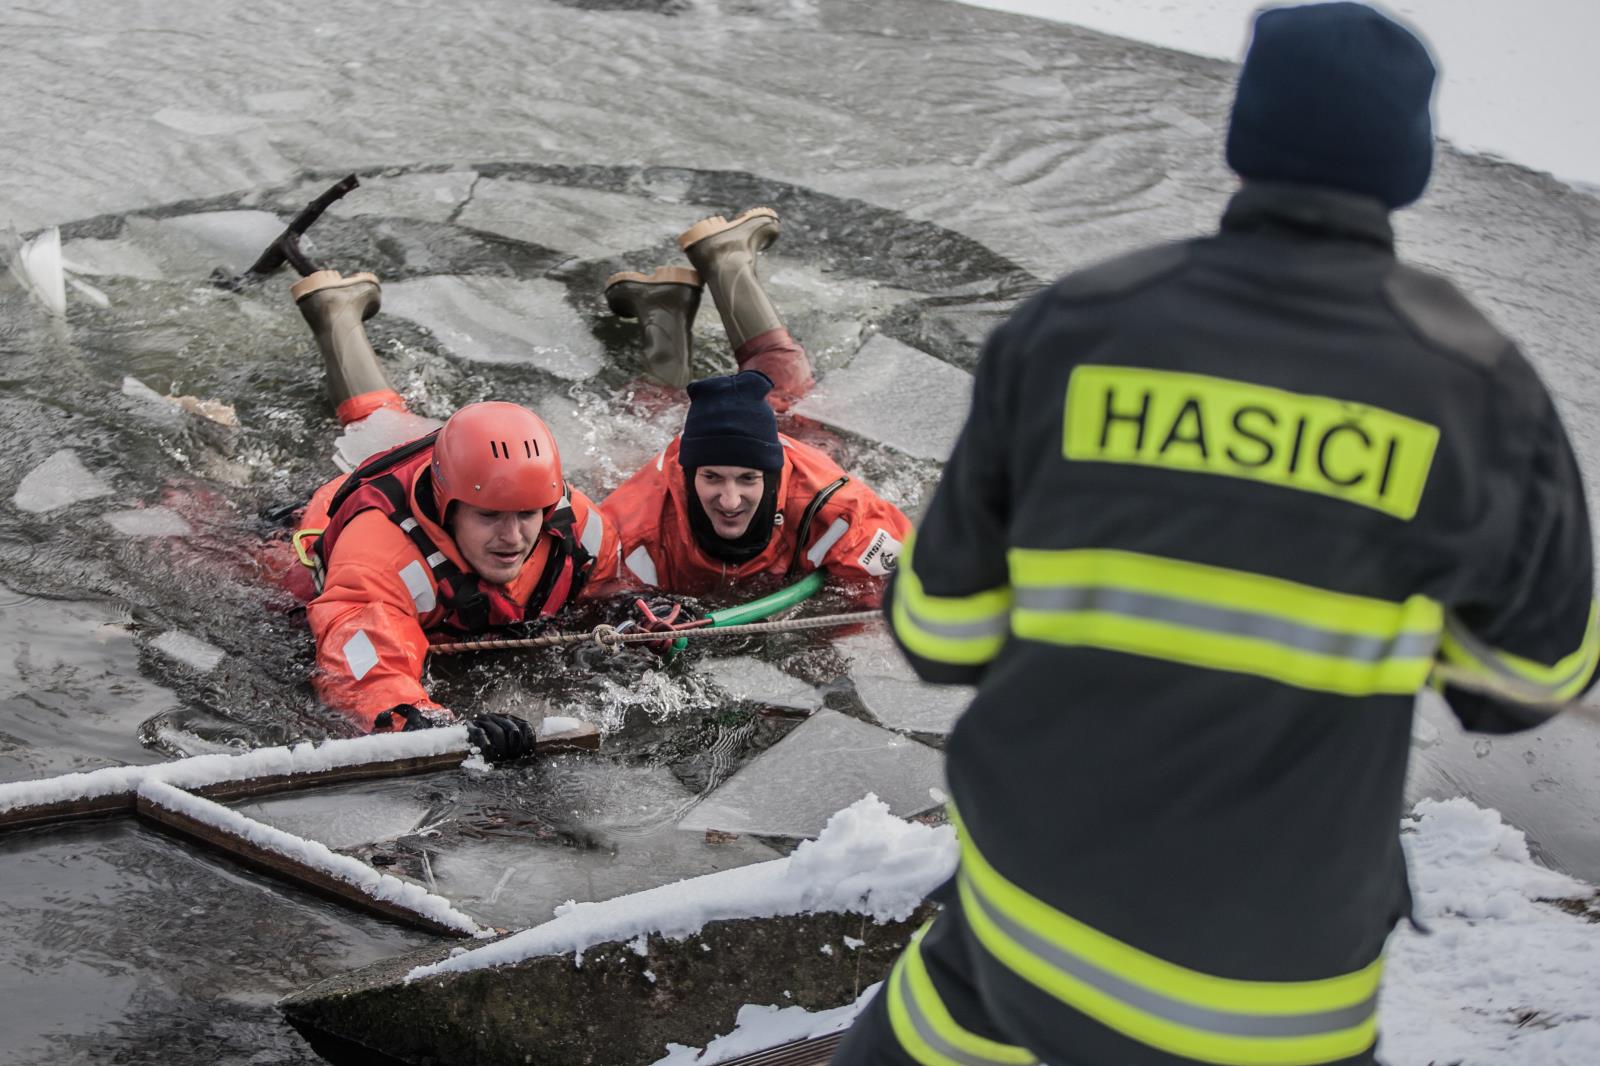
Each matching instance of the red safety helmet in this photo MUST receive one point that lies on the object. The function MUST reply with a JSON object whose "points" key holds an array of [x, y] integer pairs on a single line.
{"points": [[497, 456]]}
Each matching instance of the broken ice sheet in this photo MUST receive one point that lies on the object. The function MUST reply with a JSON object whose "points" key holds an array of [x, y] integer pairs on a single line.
{"points": [[896, 395], [57, 482], [189, 650], [611, 844], [892, 692], [191, 246], [383, 429], [149, 522], [748, 678], [501, 320], [345, 817], [115, 258], [587, 223], [827, 763]]}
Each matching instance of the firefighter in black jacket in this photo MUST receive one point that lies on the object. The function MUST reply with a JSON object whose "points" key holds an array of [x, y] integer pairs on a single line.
{"points": [[1219, 510]]}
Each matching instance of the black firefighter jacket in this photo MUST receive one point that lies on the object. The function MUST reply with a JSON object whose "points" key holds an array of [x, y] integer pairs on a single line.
{"points": [[1219, 510]]}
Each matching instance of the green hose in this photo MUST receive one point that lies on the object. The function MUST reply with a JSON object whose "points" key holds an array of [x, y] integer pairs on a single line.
{"points": [[756, 610]]}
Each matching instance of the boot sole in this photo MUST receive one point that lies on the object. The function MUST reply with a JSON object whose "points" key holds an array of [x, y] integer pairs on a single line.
{"points": [[710, 227], [327, 279], [666, 275]]}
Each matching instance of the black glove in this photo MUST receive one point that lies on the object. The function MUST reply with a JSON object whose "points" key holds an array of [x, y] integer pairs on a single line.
{"points": [[500, 737], [413, 718]]}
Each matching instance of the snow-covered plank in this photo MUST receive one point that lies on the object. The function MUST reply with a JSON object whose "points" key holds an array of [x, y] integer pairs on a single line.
{"points": [[304, 862], [111, 790]]}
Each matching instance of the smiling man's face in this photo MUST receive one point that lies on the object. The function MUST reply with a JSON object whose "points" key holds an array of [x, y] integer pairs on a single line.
{"points": [[729, 495]]}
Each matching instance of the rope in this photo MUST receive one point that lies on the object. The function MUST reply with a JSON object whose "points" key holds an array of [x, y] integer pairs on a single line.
{"points": [[610, 637]]}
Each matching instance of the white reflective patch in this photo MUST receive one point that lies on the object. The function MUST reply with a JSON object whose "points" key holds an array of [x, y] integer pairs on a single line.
{"points": [[882, 555], [408, 524], [419, 585], [827, 540], [594, 531], [435, 559], [662, 458], [642, 566], [359, 654]]}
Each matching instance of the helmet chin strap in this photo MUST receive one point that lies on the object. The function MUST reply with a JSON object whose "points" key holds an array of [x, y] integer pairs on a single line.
{"points": [[749, 544]]}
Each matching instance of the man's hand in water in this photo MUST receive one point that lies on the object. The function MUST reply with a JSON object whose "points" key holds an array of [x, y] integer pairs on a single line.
{"points": [[498, 737]]}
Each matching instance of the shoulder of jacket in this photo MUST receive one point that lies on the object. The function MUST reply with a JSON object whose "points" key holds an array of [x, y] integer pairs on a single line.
{"points": [[1122, 274], [1443, 317]]}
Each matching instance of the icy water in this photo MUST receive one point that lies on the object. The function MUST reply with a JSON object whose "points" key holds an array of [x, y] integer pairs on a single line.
{"points": [[932, 164]]}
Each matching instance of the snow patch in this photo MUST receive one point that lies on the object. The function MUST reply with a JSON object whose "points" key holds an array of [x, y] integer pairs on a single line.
{"points": [[758, 1028]]}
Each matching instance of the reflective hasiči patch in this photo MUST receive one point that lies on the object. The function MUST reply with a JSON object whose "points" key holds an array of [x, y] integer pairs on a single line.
{"points": [[1194, 423]]}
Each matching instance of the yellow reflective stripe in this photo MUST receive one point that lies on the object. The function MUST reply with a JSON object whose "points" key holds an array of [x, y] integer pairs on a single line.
{"points": [[965, 630], [1199, 424], [1520, 679], [1224, 619], [1183, 1011], [924, 1026]]}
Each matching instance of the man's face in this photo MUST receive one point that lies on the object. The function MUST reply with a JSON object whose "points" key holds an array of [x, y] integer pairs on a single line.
{"points": [[495, 543], [730, 496]]}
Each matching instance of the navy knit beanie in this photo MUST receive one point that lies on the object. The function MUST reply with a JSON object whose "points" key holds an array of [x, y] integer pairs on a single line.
{"points": [[730, 424], [1335, 95]]}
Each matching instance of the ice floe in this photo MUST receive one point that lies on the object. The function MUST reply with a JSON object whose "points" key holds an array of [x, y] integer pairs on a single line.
{"points": [[894, 394], [501, 320], [59, 481]]}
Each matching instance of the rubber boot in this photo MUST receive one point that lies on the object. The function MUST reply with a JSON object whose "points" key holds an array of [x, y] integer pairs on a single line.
{"points": [[335, 307], [665, 303], [724, 252]]}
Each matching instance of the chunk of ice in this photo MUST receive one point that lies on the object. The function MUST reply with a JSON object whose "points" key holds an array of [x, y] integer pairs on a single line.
{"points": [[344, 818], [116, 258], [149, 522], [57, 482], [501, 320], [588, 223], [748, 678], [894, 394], [828, 762], [188, 650], [191, 246], [891, 691], [37, 264], [383, 429]]}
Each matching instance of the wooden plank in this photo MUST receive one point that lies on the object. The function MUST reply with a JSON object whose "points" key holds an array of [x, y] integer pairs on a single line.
{"points": [[812, 1051], [584, 738], [73, 810], [284, 867]]}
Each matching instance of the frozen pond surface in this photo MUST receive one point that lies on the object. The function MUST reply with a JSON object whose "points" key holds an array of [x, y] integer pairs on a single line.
{"points": [[505, 174]]}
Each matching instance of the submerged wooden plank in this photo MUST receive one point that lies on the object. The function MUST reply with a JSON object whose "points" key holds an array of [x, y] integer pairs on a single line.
{"points": [[115, 805], [285, 867]]}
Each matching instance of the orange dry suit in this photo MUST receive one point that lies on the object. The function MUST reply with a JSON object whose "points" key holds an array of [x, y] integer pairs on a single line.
{"points": [[391, 574], [820, 519]]}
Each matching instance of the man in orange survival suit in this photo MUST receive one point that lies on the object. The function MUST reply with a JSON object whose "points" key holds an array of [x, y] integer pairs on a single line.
{"points": [[460, 531], [731, 499]]}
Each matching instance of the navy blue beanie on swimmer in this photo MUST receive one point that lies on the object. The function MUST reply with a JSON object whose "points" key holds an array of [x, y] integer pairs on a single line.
{"points": [[730, 424], [1335, 95]]}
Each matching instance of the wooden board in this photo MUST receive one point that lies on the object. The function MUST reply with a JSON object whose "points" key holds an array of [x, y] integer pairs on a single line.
{"points": [[812, 1051], [285, 867], [73, 810]]}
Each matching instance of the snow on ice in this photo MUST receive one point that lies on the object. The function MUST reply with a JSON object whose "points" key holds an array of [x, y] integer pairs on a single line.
{"points": [[866, 861]]}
